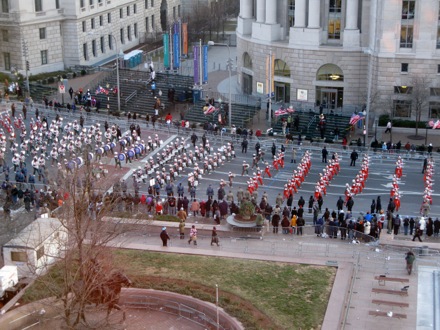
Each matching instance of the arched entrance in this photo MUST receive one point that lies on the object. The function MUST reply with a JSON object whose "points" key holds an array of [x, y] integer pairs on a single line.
{"points": [[282, 88], [247, 78], [329, 88]]}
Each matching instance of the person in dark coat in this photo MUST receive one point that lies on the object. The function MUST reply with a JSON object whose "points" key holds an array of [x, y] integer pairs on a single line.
{"points": [[350, 204], [429, 227], [208, 207], [223, 207], [354, 156], [324, 155], [340, 203], [274, 149], [378, 204], [373, 206], [164, 236], [275, 222]]}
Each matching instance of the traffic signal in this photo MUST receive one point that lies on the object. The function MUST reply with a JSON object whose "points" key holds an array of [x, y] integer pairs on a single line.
{"points": [[27, 66]]}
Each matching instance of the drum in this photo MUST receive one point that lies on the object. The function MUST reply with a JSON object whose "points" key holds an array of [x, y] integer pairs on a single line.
{"points": [[122, 143], [79, 161], [137, 150], [107, 147], [131, 153], [112, 145], [90, 156], [121, 157], [141, 146], [128, 139], [71, 165]]}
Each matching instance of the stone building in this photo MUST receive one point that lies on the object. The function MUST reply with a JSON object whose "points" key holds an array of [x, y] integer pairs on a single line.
{"points": [[57, 34], [336, 54]]}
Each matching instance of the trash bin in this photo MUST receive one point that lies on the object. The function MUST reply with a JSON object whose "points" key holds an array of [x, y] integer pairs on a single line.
{"points": [[196, 95]]}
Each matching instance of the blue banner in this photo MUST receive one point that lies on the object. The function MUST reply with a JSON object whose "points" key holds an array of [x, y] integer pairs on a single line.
{"points": [[196, 65], [205, 64], [166, 51], [176, 51]]}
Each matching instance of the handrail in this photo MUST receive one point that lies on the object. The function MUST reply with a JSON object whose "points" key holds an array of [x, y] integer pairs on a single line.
{"points": [[311, 121], [129, 97]]}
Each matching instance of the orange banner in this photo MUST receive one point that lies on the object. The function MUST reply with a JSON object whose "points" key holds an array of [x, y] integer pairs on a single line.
{"points": [[185, 38]]}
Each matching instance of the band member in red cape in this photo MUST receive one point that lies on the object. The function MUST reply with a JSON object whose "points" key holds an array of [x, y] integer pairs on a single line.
{"points": [[267, 170], [275, 163], [259, 177], [397, 201], [286, 192]]}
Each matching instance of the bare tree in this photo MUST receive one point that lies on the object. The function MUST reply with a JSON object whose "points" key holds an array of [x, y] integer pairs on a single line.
{"points": [[419, 97], [86, 263]]}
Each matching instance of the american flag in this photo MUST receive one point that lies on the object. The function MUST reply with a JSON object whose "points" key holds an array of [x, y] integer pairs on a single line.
{"points": [[101, 90], [354, 119], [210, 109], [280, 112], [434, 124]]}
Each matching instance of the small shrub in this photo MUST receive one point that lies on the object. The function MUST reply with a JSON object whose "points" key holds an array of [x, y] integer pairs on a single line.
{"points": [[74, 75], [51, 80], [83, 72]]}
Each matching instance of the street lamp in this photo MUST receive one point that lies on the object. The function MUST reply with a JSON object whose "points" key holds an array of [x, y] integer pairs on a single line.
{"points": [[118, 54], [212, 43]]}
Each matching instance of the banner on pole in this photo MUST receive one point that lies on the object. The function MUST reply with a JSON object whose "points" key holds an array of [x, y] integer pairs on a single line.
{"points": [[205, 63], [196, 65], [185, 38], [166, 50], [176, 51]]}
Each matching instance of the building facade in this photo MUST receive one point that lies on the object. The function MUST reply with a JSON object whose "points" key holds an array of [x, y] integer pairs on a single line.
{"points": [[337, 54], [57, 34]]}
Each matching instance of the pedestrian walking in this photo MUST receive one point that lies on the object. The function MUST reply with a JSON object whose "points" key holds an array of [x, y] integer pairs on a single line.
{"points": [[214, 236], [164, 236], [193, 235], [410, 258]]}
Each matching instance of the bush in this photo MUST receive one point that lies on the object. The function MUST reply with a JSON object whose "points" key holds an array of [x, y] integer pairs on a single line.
{"points": [[383, 120], [74, 75], [51, 80], [83, 72]]}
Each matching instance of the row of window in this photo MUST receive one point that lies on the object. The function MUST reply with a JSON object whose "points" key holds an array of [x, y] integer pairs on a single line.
{"points": [[82, 3], [122, 35], [402, 109], [37, 3], [5, 34], [7, 59], [93, 22]]}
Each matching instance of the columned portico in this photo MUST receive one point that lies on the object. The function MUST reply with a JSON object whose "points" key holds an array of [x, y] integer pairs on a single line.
{"points": [[266, 26], [351, 32], [310, 33], [245, 19]]}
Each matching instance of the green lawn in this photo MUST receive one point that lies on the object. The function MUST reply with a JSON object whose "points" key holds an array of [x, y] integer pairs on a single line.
{"points": [[292, 296], [262, 295]]}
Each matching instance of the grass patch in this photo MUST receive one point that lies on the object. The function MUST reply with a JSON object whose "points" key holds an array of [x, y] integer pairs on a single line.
{"points": [[262, 295], [144, 216]]}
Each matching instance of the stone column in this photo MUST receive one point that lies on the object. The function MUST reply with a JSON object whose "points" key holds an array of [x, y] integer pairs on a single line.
{"points": [[300, 13], [271, 12], [261, 11], [246, 8], [352, 15], [314, 14]]}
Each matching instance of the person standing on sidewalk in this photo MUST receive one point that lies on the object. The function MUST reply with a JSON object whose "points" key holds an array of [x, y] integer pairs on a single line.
{"points": [[193, 235], [419, 229], [410, 258], [164, 236], [182, 228], [214, 236]]}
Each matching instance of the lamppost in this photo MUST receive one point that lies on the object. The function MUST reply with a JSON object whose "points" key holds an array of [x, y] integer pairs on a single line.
{"points": [[229, 62], [118, 53]]}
